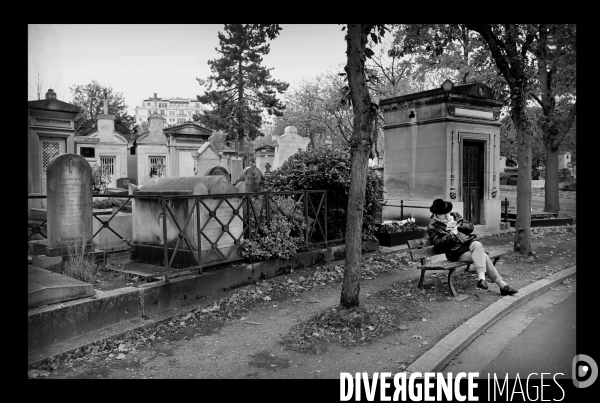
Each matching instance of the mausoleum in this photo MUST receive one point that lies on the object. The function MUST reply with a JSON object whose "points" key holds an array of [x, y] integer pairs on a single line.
{"points": [[151, 150], [51, 131], [444, 143], [182, 142]]}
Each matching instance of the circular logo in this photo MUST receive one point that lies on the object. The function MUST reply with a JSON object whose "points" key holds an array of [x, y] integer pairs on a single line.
{"points": [[584, 371]]}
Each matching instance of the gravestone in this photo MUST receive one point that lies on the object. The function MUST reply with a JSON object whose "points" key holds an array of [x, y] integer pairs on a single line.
{"points": [[236, 168], [69, 179], [123, 183], [252, 178], [288, 144], [218, 170]]}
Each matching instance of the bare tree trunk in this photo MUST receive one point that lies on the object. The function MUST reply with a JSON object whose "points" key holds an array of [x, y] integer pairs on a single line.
{"points": [[523, 221], [551, 202], [553, 137], [360, 144]]}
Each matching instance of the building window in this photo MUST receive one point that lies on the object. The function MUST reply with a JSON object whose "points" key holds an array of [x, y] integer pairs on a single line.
{"points": [[157, 167], [172, 113], [87, 152], [181, 113], [162, 112], [197, 105]]}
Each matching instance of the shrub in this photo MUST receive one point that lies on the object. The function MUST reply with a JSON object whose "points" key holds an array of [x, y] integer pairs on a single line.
{"points": [[106, 203], [100, 178], [281, 236], [327, 169]]}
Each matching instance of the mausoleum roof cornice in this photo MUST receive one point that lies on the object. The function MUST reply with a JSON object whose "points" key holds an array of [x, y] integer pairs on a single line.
{"points": [[474, 94], [53, 105]]}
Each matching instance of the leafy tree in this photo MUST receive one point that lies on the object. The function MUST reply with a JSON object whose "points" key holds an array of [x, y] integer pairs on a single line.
{"points": [[306, 111], [90, 98], [244, 86], [219, 140], [555, 50], [509, 45], [453, 50]]}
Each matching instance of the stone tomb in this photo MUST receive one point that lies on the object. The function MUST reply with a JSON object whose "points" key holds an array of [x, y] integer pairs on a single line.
{"points": [[148, 243], [69, 203], [444, 143], [288, 144]]}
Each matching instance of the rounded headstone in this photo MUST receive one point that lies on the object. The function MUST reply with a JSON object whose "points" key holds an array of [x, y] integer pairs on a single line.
{"points": [[69, 192]]}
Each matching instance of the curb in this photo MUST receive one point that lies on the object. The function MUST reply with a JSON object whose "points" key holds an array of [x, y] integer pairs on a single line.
{"points": [[436, 358]]}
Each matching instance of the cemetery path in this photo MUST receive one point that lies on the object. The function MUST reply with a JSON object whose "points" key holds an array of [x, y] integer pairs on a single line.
{"points": [[252, 347]]}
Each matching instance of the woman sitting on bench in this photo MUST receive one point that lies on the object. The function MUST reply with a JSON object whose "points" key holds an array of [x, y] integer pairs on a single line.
{"points": [[452, 235]]}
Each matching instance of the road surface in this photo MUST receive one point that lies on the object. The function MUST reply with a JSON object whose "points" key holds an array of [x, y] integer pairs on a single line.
{"points": [[538, 337]]}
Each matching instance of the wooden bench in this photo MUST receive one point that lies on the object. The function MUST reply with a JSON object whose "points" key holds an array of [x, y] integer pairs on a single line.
{"points": [[421, 250]]}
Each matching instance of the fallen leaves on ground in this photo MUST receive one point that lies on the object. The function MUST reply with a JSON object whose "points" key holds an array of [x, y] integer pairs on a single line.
{"points": [[223, 310], [349, 327]]}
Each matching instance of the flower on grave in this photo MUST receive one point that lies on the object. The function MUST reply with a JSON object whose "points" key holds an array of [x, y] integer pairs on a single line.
{"points": [[392, 226]]}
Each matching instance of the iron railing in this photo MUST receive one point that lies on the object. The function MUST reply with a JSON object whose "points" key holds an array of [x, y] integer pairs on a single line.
{"points": [[402, 206], [253, 210]]}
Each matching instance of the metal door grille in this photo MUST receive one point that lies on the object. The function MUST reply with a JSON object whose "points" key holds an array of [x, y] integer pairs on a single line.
{"points": [[50, 149], [109, 163]]}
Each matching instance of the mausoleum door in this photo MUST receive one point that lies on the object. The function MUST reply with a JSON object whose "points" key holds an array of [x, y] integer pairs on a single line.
{"points": [[49, 148], [472, 179]]}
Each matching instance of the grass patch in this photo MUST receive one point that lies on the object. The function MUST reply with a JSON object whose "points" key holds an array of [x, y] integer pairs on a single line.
{"points": [[80, 264]]}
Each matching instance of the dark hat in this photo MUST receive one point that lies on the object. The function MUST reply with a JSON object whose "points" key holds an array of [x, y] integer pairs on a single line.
{"points": [[440, 207]]}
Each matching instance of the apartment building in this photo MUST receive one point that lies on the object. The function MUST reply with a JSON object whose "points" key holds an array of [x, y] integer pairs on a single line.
{"points": [[174, 110]]}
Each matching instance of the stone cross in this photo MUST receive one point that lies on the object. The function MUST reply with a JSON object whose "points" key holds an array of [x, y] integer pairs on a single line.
{"points": [[106, 99], [70, 164], [155, 99]]}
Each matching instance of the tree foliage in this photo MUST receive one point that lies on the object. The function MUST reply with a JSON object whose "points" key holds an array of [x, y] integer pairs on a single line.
{"points": [[509, 46], [454, 50], [90, 98], [554, 48], [244, 88]]}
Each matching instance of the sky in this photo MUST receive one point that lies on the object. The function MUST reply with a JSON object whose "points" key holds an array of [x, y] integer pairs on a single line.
{"points": [[140, 60]]}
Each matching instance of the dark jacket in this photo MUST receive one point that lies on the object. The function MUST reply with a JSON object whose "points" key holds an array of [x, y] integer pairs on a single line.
{"points": [[446, 242]]}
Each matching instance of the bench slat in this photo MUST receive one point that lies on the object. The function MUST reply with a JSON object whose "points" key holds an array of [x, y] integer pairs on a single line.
{"points": [[421, 253], [445, 265]]}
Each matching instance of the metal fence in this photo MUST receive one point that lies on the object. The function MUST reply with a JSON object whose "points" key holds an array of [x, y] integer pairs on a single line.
{"points": [[254, 210], [402, 206]]}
